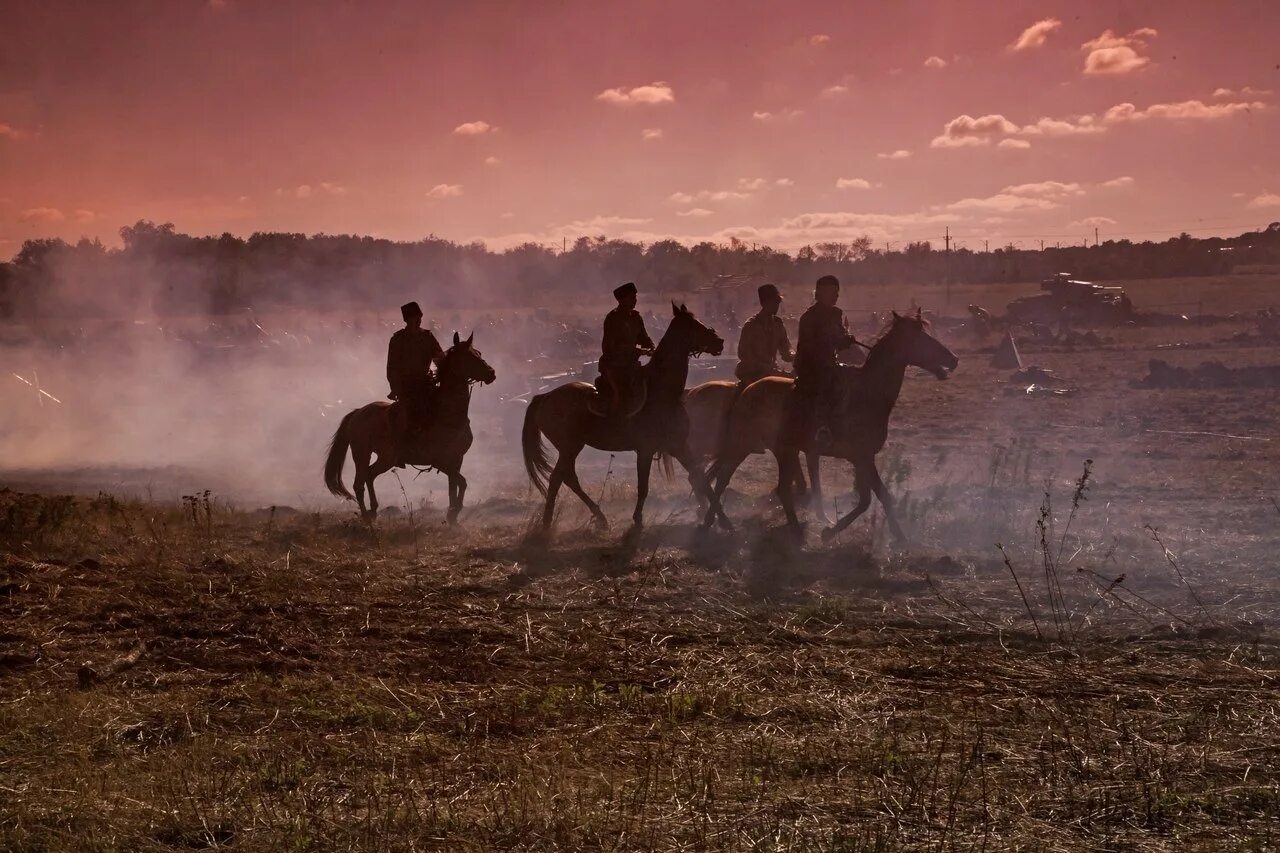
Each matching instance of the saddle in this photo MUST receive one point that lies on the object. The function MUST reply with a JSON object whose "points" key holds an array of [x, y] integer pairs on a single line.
{"points": [[615, 399]]}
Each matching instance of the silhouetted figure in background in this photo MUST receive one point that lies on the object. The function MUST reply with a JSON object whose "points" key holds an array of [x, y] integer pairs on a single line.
{"points": [[764, 340], [822, 334], [410, 355], [624, 341]]}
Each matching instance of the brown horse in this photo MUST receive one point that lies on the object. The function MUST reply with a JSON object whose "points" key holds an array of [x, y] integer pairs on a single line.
{"points": [[564, 416], [369, 431], [759, 416]]}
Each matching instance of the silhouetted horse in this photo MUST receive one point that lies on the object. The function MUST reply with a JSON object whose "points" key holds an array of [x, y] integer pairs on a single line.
{"points": [[564, 416], [759, 417], [443, 444]]}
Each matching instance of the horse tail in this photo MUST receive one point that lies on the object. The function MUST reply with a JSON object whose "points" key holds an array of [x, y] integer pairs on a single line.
{"points": [[337, 457], [668, 471], [536, 462]]}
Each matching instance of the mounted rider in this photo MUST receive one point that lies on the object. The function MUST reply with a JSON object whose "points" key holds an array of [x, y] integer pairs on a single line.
{"points": [[763, 340], [624, 341], [823, 333], [410, 355]]}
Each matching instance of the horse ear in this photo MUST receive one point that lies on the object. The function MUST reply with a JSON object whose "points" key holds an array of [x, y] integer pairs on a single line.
{"points": [[471, 337], [675, 309], [895, 314], [919, 313], [456, 339], [684, 309]]}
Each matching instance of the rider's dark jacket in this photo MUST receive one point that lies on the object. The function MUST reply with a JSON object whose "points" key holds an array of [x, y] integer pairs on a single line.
{"points": [[409, 358], [624, 334], [821, 334]]}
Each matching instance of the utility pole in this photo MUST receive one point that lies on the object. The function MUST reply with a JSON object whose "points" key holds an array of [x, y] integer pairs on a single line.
{"points": [[1095, 237], [986, 245], [1042, 245], [947, 240]]}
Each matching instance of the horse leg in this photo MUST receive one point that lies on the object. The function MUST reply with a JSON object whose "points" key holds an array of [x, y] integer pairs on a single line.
{"points": [[457, 489], [553, 487], [372, 473], [864, 501], [644, 466], [571, 480], [788, 463], [702, 488], [723, 473], [360, 455], [877, 486], [814, 461]]}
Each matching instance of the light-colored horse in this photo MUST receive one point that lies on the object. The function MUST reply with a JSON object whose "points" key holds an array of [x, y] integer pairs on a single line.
{"points": [[369, 431]]}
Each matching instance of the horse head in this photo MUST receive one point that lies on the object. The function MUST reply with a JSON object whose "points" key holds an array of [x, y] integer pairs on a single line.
{"points": [[911, 343], [690, 335], [463, 361]]}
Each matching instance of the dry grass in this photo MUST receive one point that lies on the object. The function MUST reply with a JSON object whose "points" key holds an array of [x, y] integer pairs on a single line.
{"points": [[195, 677]]}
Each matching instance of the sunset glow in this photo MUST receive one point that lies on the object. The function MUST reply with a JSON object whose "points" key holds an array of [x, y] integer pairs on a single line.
{"points": [[510, 122]]}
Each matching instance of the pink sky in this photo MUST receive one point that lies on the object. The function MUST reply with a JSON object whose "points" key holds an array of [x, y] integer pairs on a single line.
{"points": [[539, 121]]}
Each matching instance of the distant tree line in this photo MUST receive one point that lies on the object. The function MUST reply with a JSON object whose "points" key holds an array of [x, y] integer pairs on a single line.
{"points": [[159, 270]]}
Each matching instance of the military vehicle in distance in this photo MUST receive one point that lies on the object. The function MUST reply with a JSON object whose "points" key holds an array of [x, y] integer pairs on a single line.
{"points": [[1066, 300]]}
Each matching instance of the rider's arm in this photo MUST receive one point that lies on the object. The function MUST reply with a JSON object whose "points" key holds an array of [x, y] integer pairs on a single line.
{"points": [[784, 343], [646, 343]]}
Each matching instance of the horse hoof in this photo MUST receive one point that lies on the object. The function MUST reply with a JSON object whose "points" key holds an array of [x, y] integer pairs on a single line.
{"points": [[829, 533], [600, 522], [726, 525]]}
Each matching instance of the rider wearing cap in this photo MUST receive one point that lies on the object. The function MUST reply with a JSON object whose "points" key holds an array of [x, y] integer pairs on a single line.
{"points": [[821, 335], [763, 340], [410, 355], [625, 340]]}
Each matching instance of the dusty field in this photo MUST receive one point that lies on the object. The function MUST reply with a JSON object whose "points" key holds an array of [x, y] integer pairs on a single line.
{"points": [[177, 675]]}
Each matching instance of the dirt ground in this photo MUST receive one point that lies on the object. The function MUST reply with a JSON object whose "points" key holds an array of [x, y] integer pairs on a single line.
{"points": [[1068, 655]]}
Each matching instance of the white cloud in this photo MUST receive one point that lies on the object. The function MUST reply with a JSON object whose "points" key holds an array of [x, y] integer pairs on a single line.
{"points": [[302, 191], [1113, 54], [751, 184], [491, 161], [770, 117], [649, 134], [332, 189], [853, 184], [1265, 200], [1060, 127], [785, 182], [1122, 182], [1092, 222], [8, 131], [42, 215], [1245, 92], [1195, 110], [697, 212], [474, 128], [1002, 202], [1045, 189], [965, 130], [1035, 35], [445, 191], [83, 215], [820, 38], [900, 154], [935, 62], [708, 195], [654, 93], [835, 91]]}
